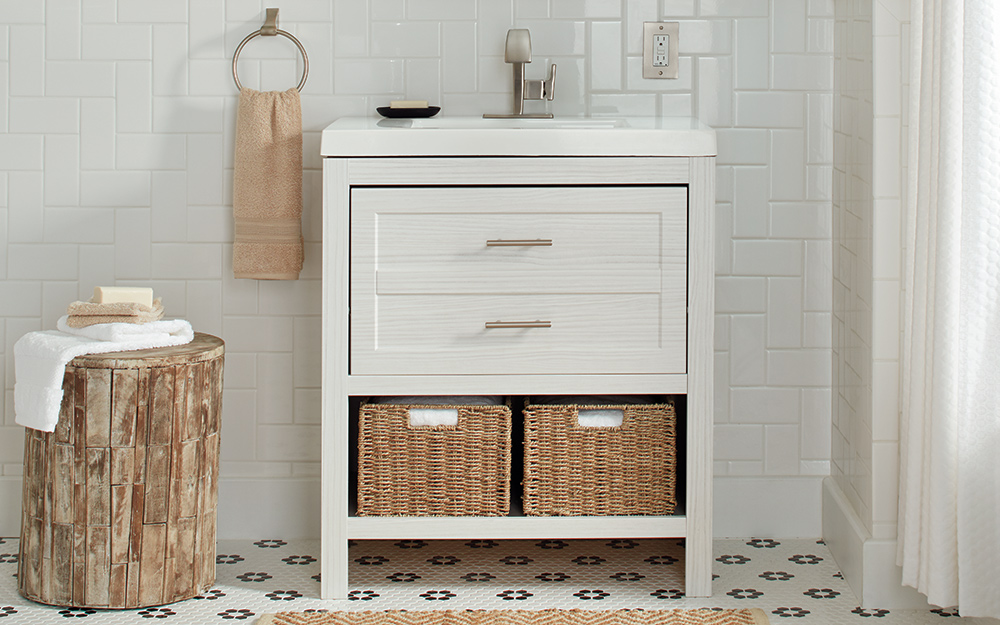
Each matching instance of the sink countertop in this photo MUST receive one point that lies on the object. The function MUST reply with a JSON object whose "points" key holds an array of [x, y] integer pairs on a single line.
{"points": [[474, 136]]}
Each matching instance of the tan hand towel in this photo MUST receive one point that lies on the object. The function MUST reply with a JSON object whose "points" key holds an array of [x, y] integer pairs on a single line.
{"points": [[267, 189], [85, 314]]}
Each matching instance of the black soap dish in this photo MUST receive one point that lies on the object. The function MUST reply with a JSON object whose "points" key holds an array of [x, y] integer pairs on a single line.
{"points": [[388, 111]]}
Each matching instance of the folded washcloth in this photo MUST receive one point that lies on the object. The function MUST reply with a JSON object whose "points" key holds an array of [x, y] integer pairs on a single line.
{"points": [[40, 360], [83, 314]]}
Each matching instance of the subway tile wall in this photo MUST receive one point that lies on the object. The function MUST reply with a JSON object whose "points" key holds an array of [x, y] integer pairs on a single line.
{"points": [[871, 86], [116, 134]]}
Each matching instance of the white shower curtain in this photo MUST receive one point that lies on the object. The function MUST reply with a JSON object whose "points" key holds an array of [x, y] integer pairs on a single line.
{"points": [[949, 507]]}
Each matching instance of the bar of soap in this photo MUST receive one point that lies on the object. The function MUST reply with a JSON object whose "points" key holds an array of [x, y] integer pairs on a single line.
{"points": [[408, 104], [115, 294]]}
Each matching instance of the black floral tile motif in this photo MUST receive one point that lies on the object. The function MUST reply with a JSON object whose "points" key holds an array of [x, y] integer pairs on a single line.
{"points": [[627, 577], [444, 560], [822, 593], [734, 559], [805, 559], [478, 577], [253, 577], [238, 615], [7, 610], [284, 595], [515, 595], [402, 577], [596, 595], [622, 544], [317, 577], [77, 612], [553, 577], [270, 544], [371, 560], [762, 543], [8, 558], [515, 560], [714, 577], [661, 560], [745, 593], [776, 576], [588, 560], [671, 593], [298, 560], [411, 544], [315, 610], [157, 613], [438, 595], [790, 612], [838, 575], [552, 544], [212, 595], [945, 612], [362, 595], [350, 543], [228, 559], [869, 613], [820, 542], [3, 541], [482, 544]]}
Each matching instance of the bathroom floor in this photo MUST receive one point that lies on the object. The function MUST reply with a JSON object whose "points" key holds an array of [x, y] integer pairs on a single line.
{"points": [[789, 579]]}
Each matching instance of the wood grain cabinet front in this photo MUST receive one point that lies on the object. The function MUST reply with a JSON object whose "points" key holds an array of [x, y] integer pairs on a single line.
{"points": [[526, 280]]}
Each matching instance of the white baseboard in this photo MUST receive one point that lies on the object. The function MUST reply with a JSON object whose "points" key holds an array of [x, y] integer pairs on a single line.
{"points": [[269, 508], [762, 507], [10, 506], [867, 564]]}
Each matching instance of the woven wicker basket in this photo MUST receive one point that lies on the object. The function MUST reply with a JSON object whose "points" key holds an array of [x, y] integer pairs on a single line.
{"points": [[571, 470], [442, 470]]}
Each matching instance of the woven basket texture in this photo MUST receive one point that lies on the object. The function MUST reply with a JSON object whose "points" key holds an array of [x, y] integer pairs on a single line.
{"points": [[570, 470], [460, 470]]}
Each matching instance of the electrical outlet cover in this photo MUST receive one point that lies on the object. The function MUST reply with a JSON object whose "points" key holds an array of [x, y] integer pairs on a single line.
{"points": [[652, 59]]}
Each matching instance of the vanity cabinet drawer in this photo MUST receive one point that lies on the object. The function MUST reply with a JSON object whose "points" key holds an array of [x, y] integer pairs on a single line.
{"points": [[497, 280]]}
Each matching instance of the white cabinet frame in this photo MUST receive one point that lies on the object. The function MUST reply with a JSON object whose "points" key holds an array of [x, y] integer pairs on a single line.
{"points": [[695, 525]]}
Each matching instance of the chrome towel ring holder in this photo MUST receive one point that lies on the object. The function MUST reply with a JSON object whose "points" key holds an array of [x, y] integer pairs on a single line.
{"points": [[270, 29]]}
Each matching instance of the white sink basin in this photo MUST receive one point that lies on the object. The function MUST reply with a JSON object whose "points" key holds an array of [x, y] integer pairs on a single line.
{"points": [[479, 123], [476, 136]]}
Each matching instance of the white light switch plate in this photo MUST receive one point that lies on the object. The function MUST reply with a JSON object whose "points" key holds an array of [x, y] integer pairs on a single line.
{"points": [[659, 49]]}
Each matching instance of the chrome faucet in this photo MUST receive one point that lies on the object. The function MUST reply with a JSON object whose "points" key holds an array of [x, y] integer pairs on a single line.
{"points": [[517, 52]]}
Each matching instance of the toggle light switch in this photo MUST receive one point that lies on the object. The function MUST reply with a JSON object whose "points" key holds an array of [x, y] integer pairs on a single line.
{"points": [[659, 49]]}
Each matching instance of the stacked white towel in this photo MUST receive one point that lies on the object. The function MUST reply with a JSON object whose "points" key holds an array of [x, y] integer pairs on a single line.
{"points": [[40, 360]]}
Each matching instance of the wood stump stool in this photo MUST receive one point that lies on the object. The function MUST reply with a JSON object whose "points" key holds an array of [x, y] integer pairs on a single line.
{"points": [[120, 500]]}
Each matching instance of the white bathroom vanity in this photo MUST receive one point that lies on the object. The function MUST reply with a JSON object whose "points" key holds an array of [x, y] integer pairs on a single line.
{"points": [[464, 256]]}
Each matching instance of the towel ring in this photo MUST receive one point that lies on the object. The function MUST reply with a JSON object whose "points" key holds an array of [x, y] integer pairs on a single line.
{"points": [[269, 29]]}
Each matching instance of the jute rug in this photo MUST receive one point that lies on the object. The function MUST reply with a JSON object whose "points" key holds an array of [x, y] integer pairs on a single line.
{"points": [[521, 617]]}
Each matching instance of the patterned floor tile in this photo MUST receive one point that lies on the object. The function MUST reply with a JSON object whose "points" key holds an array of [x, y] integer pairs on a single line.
{"points": [[794, 581]]}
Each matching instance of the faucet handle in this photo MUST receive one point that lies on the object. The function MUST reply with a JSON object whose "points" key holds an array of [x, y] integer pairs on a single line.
{"points": [[549, 84], [518, 46]]}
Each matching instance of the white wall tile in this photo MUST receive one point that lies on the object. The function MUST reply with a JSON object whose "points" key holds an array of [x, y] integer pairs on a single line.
{"points": [[133, 97], [44, 115], [99, 11], [258, 334], [750, 204], [765, 405], [41, 262], [150, 151], [168, 214], [97, 268], [80, 78], [748, 352], [20, 299], [288, 442], [97, 133], [159, 11], [62, 29], [239, 420], [739, 442], [744, 8], [24, 214], [132, 244], [606, 56], [56, 297], [769, 109], [199, 261], [170, 62], [405, 39], [784, 312], [114, 188], [740, 295], [743, 146], [79, 225], [275, 388], [204, 169], [26, 75], [459, 57], [781, 449], [752, 58], [368, 77], [21, 152], [117, 42]]}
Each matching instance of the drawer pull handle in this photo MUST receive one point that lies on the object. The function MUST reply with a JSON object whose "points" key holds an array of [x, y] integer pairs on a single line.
{"points": [[518, 324], [519, 243]]}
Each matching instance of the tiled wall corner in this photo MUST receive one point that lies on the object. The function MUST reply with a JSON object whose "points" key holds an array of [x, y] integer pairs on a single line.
{"points": [[116, 133]]}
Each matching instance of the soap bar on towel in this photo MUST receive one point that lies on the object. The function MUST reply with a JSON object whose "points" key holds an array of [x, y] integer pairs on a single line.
{"points": [[116, 294], [267, 186]]}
